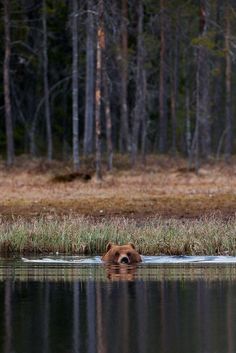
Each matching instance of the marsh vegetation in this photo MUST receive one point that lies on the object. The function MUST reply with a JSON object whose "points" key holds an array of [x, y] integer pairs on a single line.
{"points": [[76, 235], [163, 208]]}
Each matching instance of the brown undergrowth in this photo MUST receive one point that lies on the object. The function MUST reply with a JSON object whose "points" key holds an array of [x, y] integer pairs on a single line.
{"points": [[163, 187]]}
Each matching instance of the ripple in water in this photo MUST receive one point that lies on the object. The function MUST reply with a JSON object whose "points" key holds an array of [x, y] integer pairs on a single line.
{"points": [[146, 260]]}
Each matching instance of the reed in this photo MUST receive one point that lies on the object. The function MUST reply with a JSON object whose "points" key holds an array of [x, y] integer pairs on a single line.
{"points": [[72, 235]]}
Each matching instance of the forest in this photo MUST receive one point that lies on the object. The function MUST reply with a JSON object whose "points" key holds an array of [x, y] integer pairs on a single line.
{"points": [[91, 78]]}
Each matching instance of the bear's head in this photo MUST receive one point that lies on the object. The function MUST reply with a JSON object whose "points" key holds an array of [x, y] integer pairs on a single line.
{"points": [[121, 254]]}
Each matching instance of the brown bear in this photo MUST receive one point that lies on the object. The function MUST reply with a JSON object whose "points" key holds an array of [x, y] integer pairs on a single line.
{"points": [[121, 254]]}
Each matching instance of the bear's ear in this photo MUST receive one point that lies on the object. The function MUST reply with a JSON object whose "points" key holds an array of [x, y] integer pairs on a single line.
{"points": [[109, 246], [132, 245]]}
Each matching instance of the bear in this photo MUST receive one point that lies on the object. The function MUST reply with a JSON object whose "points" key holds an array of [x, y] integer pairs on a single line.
{"points": [[121, 254]]}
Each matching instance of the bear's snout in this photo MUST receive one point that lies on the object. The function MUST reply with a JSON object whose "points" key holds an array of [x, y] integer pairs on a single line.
{"points": [[124, 260]]}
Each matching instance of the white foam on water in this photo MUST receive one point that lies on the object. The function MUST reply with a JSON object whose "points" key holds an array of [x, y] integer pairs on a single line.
{"points": [[146, 260], [189, 259], [71, 260]]}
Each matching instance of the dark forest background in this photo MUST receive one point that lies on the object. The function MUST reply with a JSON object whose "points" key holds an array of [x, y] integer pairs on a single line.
{"points": [[97, 77]]}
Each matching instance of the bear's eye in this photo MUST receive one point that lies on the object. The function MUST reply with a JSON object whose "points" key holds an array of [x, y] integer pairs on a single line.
{"points": [[117, 253], [128, 254]]}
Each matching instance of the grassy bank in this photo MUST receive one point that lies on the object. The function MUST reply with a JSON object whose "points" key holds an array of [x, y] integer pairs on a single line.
{"points": [[73, 235]]}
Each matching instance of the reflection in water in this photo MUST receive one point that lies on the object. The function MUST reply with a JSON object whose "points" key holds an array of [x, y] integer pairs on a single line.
{"points": [[121, 272], [118, 316]]}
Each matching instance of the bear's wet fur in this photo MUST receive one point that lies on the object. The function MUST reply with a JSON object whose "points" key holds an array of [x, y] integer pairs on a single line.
{"points": [[121, 254]]}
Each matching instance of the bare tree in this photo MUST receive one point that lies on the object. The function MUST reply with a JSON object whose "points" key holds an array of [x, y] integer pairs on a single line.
{"points": [[139, 109], [174, 88], [75, 92], [6, 78], [124, 127], [201, 139], [89, 89], [46, 86], [144, 120], [162, 80], [108, 119], [228, 76], [98, 88], [203, 86]]}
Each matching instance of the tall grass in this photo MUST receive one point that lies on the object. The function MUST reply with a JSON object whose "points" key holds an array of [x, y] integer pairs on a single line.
{"points": [[71, 235]]}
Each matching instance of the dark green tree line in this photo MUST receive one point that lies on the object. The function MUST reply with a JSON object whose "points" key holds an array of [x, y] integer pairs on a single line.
{"points": [[134, 77]]}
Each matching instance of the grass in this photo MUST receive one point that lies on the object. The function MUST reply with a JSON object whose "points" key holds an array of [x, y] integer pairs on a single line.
{"points": [[161, 207], [164, 187], [73, 235]]}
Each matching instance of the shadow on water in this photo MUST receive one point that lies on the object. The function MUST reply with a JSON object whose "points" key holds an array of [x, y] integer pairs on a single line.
{"points": [[89, 308]]}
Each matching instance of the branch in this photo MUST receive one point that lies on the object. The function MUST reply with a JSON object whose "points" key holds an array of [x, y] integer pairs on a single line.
{"points": [[43, 99]]}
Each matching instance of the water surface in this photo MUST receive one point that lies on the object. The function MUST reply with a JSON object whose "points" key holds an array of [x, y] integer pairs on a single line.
{"points": [[89, 307]]}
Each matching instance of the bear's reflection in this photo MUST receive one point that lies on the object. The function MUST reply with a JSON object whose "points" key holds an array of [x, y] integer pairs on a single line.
{"points": [[121, 272]]}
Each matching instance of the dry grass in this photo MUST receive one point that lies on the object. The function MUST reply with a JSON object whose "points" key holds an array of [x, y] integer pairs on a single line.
{"points": [[69, 235], [163, 188]]}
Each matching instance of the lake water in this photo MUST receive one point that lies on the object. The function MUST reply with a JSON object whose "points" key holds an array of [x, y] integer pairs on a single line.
{"points": [[80, 305]]}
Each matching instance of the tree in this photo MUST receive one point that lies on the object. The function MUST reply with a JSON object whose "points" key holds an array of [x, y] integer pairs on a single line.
{"points": [[6, 78], [46, 86], [108, 118], [203, 81], [228, 83], [124, 124], [98, 87], [174, 84], [139, 109], [163, 80], [89, 95], [75, 93]]}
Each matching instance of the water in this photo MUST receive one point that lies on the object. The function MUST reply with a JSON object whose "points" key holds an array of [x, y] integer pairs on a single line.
{"points": [[59, 305], [145, 259]]}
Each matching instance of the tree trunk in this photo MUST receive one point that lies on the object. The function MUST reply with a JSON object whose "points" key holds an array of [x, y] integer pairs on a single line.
{"points": [[203, 70], [195, 140], [188, 123], [75, 109], [108, 121], [218, 80], [46, 89], [89, 90], [6, 78], [107, 108], [174, 89], [32, 143], [139, 95], [100, 47], [162, 83], [228, 75], [124, 127], [144, 119]]}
